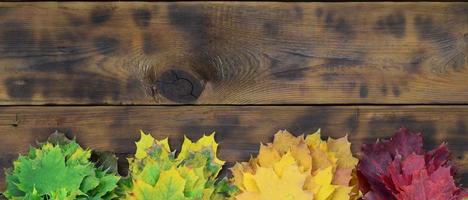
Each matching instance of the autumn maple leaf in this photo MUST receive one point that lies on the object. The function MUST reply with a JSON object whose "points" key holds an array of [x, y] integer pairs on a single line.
{"points": [[298, 168], [400, 169], [156, 173]]}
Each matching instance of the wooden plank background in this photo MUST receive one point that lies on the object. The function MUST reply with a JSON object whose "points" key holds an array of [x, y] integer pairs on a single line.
{"points": [[102, 71], [233, 53]]}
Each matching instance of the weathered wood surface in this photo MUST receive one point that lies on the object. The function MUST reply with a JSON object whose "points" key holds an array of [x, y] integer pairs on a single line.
{"points": [[233, 53], [239, 129]]}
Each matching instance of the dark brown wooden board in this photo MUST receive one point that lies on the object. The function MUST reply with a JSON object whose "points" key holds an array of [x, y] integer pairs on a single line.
{"points": [[233, 53], [239, 129]]}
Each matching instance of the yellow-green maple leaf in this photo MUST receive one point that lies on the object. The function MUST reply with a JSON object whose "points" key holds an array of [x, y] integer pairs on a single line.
{"points": [[147, 143], [170, 186], [206, 143], [156, 173], [142, 146], [194, 181]]}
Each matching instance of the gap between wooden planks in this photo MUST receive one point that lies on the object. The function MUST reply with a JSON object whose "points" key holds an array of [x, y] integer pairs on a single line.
{"points": [[233, 53], [240, 129]]}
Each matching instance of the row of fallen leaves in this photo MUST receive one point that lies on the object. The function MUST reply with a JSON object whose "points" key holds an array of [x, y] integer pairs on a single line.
{"points": [[289, 168]]}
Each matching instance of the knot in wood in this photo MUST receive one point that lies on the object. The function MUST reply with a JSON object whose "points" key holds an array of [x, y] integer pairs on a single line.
{"points": [[179, 86]]}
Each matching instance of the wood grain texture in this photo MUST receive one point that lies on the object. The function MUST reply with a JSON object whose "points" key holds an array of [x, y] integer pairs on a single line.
{"points": [[233, 53], [238, 129]]}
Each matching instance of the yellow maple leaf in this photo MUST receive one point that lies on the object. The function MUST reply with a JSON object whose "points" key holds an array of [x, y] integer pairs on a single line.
{"points": [[238, 171], [267, 156], [328, 166], [315, 142], [283, 141], [302, 155], [266, 184], [320, 183], [321, 156], [342, 149], [285, 161]]}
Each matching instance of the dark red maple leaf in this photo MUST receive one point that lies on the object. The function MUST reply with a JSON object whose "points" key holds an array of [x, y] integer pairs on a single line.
{"points": [[400, 169]]}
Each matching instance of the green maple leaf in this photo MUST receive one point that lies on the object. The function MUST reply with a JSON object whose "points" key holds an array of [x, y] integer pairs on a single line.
{"points": [[107, 183], [89, 183], [59, 169], [48, 172]]}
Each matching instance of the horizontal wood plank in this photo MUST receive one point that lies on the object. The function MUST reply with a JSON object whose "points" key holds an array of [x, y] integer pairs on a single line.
{"points": [[233, 53], [239, 129]]}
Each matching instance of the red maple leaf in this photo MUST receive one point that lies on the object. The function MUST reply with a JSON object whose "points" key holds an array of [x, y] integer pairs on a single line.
{"points": [[399, 169]]}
